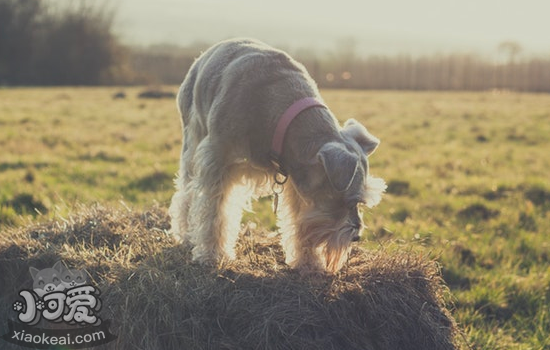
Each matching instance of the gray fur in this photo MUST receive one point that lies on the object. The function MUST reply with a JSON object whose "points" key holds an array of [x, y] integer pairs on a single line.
{"points": [[230, 103]]}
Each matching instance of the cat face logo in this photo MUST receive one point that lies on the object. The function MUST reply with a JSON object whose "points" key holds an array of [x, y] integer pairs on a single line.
{"points": [[72, 278], [56, 279]]}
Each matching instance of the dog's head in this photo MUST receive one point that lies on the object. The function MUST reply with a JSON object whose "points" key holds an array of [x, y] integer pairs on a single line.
{"points": [[334, 188], [47, 280], [72, 277]]}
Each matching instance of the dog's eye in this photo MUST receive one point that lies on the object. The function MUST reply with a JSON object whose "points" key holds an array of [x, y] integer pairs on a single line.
{"points": [[55, 279], [40, 283]]}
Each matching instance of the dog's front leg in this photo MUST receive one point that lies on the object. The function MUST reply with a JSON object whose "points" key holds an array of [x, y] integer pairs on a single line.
{"points": [[301, 253]]}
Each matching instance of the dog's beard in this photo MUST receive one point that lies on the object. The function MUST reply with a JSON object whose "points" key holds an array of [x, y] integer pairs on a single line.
{"points": [[375, 188], [330, 238], [337, 247]]}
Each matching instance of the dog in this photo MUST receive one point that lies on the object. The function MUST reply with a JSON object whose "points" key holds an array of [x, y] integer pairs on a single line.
{"points": [[71, 278], [47, 280], [253, 118]]}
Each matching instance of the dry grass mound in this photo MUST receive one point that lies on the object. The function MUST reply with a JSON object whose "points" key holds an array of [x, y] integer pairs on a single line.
{"points": [[158, 299]]}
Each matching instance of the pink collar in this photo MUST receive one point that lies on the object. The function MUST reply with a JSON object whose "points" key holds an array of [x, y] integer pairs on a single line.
{"points": [[285, 120]]}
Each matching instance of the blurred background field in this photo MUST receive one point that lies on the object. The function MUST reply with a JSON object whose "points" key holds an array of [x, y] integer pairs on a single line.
{"points": [[423, 46], [467, 176]]}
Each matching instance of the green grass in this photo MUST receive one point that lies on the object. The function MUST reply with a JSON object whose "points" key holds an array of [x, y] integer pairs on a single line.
{"points": [[72, 145], [467, 174]]}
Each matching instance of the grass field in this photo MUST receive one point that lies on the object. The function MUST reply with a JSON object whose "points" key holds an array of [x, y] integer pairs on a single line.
{"points": [[467, 175]]}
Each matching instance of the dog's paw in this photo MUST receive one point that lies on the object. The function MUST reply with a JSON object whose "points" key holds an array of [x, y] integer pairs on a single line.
{"points": [[310, 269], [312, 274], [205, 260], [177, 236], [212, 257], [17, 306], [40, 305]]}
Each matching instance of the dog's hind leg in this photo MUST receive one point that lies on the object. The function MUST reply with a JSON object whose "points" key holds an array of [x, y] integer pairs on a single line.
{"points": [[216, 209], [179, 208], [184, 196], [239, 192]]}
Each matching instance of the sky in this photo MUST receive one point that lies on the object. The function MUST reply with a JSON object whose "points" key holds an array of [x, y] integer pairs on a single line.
{"points": [[376, 27]]}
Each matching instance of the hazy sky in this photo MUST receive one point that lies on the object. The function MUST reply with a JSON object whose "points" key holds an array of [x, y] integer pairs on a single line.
{"points": [[379, 27]]}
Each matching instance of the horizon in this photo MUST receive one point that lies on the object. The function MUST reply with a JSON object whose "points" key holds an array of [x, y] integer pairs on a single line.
{"points": [[424, 27]]}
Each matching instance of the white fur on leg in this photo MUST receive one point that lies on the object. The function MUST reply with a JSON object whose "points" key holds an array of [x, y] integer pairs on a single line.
{"points": [[301, 252], [216, 212], [205, 223], [286, 219], [185, 190], [179, 210], [205, 219], [244, 183], [232, 210]]}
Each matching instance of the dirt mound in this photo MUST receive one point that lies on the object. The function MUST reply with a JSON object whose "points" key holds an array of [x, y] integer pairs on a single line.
{"points": [[157, 298]]}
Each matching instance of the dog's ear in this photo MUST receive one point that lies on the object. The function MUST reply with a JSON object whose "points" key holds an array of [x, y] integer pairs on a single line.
{"points": [[34, 271], [357, 132], [340, 165], [59, 266]]}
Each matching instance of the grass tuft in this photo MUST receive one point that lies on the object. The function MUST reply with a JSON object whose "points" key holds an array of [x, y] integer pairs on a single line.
{"points": [[477, 212], [26, 203], [398, 187], [158, 298], [539, 196]]}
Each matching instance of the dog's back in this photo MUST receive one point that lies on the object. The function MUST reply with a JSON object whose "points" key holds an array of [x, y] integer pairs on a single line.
{"points": [[237, 64], [234, 89]]}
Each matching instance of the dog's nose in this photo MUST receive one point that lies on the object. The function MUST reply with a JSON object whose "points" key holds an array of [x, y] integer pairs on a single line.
{"points": [[355, 238]]}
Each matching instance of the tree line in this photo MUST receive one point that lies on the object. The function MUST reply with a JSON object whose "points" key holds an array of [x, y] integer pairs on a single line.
{"points": [[76, 46], [41, 45], [165, 64], [437, 72]]}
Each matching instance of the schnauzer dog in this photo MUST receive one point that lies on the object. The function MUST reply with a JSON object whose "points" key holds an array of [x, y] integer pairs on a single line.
{"points": [[252, 118]]}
